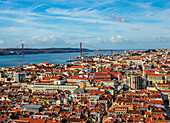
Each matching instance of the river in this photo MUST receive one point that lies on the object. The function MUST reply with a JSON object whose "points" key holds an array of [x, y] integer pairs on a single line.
{"points": [[57, 58]]}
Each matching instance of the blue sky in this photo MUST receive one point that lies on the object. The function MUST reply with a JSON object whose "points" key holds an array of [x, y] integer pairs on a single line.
{"points": [[116, 24]]}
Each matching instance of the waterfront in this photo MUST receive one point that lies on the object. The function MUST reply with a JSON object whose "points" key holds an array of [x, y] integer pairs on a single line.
{"points": [[57, 58]]}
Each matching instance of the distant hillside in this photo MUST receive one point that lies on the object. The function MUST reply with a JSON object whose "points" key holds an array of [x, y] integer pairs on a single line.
{"points": [[15, 51]]}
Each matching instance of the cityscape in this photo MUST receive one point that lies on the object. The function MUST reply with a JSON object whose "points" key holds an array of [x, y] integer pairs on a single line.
{"points": [[133, 86], [84, 61]]}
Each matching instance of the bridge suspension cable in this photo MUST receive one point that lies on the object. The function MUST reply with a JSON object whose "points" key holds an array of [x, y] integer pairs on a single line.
{"points": [[73, 46], [90, 46]]}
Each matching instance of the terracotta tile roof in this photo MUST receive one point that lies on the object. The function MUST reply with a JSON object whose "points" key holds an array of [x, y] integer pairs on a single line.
{"points": [[155, 102], [46, 78], [2, 120], [96, 92], [155, 74], [51, 121], [33, 120]]}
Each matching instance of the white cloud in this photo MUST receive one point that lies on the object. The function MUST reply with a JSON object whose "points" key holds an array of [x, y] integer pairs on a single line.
{"points": [[89, 15], [86, 41], [144, 5], [47, 41], [115, 17], [118, 39], [1, 42], [84, 20], [153, 36], [112, 39], [161, 39], [82, 16], [118, 36], [78, 12], [98, 39]]}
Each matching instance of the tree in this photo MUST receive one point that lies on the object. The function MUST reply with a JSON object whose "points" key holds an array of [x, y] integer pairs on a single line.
{"points": [[33, 77]]}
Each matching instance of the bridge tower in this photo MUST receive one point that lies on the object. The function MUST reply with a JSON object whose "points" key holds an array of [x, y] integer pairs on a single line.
{"points": [[80, 49], [22, 49]]}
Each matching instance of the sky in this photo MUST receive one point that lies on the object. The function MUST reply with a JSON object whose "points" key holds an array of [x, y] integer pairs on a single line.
{"points": [[104, 24]]}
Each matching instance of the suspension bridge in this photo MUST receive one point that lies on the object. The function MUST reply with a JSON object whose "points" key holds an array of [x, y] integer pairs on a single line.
{"points": [[82, 48]]}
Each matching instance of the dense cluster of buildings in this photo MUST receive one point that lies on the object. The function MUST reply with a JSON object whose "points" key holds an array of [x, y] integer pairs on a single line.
{"points": [[130, 87]]}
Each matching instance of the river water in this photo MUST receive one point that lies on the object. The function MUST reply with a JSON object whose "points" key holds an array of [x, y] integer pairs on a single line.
{"points": [[57, 58]]}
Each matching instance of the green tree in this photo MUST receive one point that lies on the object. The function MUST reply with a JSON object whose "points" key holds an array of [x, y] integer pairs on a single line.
{"points": [[33, 77]]}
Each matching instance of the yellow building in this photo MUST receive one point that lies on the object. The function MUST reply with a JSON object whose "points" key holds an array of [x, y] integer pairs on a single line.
{"points": [[87, 84], [5, 68], [45, 64], [81, 85]]}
